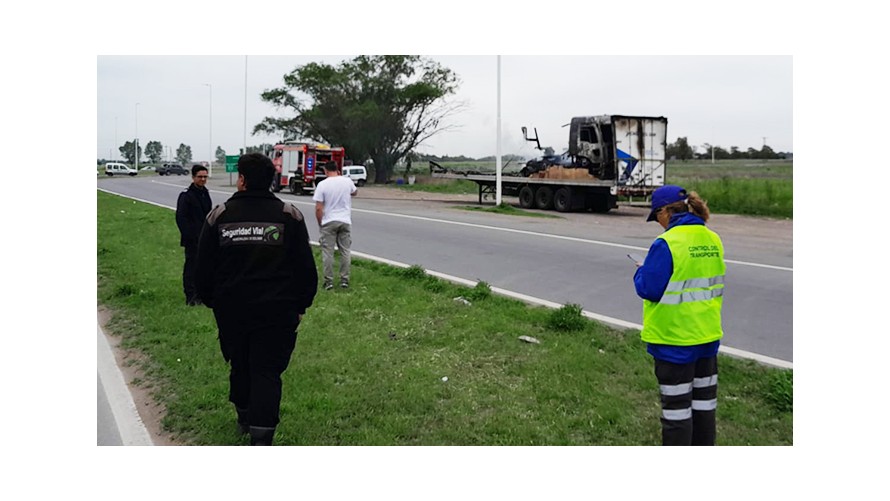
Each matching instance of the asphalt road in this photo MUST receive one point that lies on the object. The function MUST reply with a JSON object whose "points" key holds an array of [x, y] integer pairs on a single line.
{"points": [[579, 258]]}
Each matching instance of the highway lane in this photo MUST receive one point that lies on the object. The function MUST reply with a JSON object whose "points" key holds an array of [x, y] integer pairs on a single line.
{"points": [[579, 258]]}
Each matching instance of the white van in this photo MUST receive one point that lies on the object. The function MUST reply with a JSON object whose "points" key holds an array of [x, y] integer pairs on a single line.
{"points": [[112, 168], [357, 173]]}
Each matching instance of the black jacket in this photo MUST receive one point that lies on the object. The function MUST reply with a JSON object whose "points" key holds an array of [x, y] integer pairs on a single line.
{"points": [[191, 209], [254, 255]]}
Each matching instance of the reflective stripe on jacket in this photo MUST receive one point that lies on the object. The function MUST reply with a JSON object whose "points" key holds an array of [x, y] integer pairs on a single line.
{"points": [[689, 311]]}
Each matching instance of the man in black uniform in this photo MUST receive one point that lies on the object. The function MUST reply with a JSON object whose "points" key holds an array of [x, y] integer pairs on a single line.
{"points": [[257, 272], [191, 209]]}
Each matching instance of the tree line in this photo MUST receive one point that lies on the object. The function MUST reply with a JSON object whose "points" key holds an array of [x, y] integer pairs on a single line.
{"points": [[682, 150], [154, 152]]}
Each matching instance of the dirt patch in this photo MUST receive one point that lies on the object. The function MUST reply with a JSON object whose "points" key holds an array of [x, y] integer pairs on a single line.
{"points": [[150, 411]]}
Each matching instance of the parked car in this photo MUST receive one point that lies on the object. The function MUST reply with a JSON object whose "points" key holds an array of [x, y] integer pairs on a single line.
{"points": [[149, 168], [168, 169], [357, 173], [112, 168]]}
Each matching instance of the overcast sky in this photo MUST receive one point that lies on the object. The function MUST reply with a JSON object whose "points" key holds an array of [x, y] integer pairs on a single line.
{"points": [[740, 101]]}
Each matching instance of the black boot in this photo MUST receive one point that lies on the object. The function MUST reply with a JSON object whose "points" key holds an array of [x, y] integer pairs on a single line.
{"points": [[243, 421], [260, 435]]}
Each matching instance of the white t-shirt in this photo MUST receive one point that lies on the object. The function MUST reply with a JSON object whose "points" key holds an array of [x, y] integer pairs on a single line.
{"points": [[336, 195]]}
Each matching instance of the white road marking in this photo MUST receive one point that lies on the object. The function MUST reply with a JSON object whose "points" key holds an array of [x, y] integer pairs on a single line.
{"points": [[129, 424], [616, 322]]}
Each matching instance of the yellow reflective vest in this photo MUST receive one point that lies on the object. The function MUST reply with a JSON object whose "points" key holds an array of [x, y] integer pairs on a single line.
{"points": [[689, 311]]}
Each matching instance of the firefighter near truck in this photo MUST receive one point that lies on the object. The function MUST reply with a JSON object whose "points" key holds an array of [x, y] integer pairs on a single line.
{"points": [[299, 166], [608, 156]]}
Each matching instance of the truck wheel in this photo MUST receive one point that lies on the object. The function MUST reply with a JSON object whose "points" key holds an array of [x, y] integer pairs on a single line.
{"points": [[527, 197], [294, 189], [544, 198], [562, 200], [360, 183]]}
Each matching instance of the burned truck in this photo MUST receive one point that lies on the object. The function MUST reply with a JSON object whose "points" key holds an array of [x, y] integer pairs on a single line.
{"points": [[608, 156]]}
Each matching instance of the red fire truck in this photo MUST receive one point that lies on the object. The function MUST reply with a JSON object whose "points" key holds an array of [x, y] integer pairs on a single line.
{"points": [[299, 166]]}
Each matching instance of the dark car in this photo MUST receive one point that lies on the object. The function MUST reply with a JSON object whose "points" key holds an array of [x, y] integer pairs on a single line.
{"points": [[168, 169]]}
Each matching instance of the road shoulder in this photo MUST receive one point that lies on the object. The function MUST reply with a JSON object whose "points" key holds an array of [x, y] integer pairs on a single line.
{"points": [[150, 411]]}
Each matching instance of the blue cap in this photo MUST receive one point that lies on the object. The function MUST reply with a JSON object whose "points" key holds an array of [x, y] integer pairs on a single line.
{"points": [[665, 195]]}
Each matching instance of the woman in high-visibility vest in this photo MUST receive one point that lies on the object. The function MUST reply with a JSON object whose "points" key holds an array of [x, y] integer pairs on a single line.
{"points": [[681, 283]]}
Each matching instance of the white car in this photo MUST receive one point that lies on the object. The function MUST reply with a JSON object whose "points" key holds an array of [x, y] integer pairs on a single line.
{"points": [[112, 168], [357, 173]]}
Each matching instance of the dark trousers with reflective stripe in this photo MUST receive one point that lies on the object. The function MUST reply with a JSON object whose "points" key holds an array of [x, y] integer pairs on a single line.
{"points": [[688, 401], [258, 353]]}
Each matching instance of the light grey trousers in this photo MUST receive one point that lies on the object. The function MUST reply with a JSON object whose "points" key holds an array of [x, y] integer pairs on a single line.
{"points": [[339, 233]]}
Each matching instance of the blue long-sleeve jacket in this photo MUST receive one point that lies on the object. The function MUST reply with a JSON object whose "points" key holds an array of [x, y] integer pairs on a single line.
{"points": [[651, 280]]}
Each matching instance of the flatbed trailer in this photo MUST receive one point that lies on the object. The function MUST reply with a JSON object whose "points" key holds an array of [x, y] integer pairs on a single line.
{"points": [[560, 194], [608, 156]]}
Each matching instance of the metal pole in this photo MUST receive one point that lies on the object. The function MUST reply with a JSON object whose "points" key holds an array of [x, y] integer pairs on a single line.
{"points": [[137, 137], [498, 176], [115, 133], [245, 104], [210, 140]]}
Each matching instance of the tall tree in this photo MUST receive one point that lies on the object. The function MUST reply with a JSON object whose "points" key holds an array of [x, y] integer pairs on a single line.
{"points": [[220, 155], [154, 151], [128, 151], [183, 154], [264, 148], [683, 150], [377, 107]]}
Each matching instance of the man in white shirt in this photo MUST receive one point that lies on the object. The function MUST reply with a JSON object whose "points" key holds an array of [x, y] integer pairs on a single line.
{"points": [[333, 211]]}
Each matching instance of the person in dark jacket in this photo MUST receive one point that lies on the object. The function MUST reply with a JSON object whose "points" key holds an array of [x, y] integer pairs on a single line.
{"points": [[191, 209], [257, 272]]}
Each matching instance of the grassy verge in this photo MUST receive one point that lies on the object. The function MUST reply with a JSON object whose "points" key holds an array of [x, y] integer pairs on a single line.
{"points": [[506, 209], [430, 185], [370, 362], [751, 187]]}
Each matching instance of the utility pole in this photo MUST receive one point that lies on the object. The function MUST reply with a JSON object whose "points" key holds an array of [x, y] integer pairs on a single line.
{"points": [[245, 103], [137, 137], [210, 140], [498, 167]]}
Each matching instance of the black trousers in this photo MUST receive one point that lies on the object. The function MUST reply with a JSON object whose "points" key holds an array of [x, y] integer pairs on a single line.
{"points": [[188, 272], [688, 401], [258, 352]]}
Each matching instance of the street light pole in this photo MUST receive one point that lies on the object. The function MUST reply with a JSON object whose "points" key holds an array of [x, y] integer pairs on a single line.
{"points": [[137, 137], [498, 165], [210, 139]]}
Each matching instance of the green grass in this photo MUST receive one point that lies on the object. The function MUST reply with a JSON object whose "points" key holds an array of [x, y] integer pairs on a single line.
{"points": [[369, 363], [508, 210], [750, 187], [430, 185]]}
